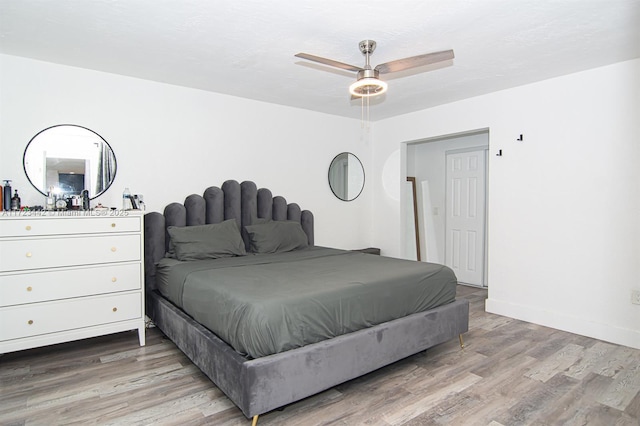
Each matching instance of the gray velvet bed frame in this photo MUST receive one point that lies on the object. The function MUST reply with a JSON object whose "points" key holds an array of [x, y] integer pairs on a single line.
{"points": [[260, 385]]}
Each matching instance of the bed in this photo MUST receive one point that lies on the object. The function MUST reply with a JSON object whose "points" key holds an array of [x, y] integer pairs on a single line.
{"points": [[287, 319]]}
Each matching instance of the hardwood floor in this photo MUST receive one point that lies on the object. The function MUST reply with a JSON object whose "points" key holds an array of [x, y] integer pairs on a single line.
{"points": [[510, 373]]}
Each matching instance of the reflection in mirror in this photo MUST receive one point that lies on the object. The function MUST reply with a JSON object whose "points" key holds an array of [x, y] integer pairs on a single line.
{"points": [[68, 159], [346, 176]]}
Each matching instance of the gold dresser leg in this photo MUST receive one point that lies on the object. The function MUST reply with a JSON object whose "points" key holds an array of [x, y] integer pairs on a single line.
{"points": [[461, 341], [255, 420]]}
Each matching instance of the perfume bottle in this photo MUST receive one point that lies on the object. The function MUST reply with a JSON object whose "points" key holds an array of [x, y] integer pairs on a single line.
{"points": [[76, 202], [15, 201], [51, 201]]}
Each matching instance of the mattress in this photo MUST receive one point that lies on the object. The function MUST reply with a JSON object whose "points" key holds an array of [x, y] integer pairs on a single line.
{"points": [[270, 303]]}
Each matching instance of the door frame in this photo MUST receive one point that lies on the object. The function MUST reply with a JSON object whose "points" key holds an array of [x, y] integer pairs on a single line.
{"points": [[405, 166]]}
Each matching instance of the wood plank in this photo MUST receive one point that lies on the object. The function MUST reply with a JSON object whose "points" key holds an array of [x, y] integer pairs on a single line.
{"points": [[556, 363], [625, 387]]}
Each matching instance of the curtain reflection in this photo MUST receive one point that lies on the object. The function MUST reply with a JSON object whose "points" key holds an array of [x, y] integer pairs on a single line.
{"points": [[106, 169]]}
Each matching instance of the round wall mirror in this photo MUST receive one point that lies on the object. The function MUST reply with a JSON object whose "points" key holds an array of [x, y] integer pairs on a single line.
{"points": [[68, 159], [346, 176]]}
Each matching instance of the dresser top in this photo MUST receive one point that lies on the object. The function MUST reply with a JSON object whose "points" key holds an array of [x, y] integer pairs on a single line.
{"points": [[68, 214]]}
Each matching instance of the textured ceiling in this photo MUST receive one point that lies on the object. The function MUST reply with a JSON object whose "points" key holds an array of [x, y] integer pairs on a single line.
{"points": [[245, 47]]}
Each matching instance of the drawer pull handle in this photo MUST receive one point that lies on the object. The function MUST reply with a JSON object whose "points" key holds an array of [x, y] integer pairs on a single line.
{"points": [[28, 254], [30, 322], [115, 309], [113, 249], [28, 227], [113, 225], [29, 288], [114, 279]]}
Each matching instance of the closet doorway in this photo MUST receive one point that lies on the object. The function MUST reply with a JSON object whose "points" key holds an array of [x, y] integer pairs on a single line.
{"points": [[451, 185]]}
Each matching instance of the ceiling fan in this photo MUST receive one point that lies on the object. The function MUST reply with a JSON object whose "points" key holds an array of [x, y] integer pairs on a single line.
{"points": [[368, 82]]}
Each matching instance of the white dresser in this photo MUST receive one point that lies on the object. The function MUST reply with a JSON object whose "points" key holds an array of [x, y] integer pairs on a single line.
{"points": [[69, 275]]}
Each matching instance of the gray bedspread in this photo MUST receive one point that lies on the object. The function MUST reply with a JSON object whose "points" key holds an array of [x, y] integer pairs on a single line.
{"points": [[270, 303]]}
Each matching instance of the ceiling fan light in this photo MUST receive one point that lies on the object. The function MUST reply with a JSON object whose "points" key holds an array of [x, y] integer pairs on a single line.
{"points": [[368, 86]]}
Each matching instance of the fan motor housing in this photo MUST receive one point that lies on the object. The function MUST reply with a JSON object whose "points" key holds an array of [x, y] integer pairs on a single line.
{"points": [[367, 74]]}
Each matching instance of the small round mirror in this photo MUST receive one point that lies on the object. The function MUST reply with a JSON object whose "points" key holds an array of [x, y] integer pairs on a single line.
{"points": [[346, 176], [68, 159]]}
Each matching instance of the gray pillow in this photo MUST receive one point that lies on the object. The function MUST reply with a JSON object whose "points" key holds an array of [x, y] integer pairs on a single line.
{"points": [[206, 241], [276, 236]]}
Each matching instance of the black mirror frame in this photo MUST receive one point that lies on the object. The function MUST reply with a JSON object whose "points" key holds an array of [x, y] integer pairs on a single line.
{"points": [[115, 160], [329, 176]]}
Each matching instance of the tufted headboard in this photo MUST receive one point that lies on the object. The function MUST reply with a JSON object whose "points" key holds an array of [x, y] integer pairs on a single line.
{"points": [[243, 202]]}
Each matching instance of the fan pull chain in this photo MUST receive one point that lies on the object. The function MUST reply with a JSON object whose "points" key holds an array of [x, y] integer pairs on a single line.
{"points": [[365, 117], [368, 117]]}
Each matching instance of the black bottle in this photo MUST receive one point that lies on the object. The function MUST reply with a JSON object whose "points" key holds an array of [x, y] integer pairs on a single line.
{"points": [[85, 199], [6, 203], [15, 201]]}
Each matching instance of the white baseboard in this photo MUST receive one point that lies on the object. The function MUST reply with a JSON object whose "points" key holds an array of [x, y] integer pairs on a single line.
{"points": [[564, 322]]}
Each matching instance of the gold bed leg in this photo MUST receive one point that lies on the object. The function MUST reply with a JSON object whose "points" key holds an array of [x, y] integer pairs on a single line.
{"points": [[255, 420], [461, 341]]}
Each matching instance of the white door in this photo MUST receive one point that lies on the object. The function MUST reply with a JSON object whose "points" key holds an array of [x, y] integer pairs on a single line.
{"points": [[465, 215]]}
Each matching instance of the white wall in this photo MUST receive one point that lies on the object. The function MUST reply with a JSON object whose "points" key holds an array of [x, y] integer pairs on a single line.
{"points": [[564, 204], [172, 141]]}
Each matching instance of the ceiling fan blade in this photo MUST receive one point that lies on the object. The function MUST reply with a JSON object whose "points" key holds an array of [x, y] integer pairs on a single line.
{"points": [[329, 62], [415, 61]]}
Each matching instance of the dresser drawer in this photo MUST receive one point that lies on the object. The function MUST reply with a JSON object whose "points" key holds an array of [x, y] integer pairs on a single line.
{"points": [[17, 289], [37, 253], [49, 317], [42, 225]]}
